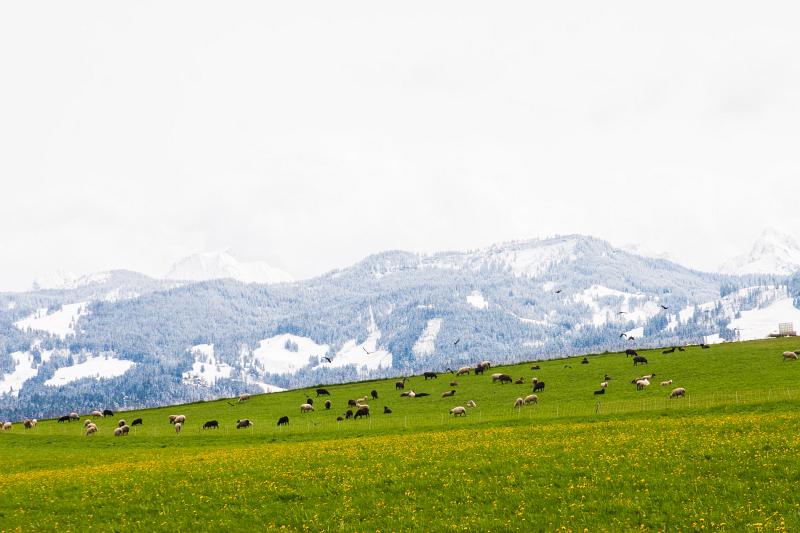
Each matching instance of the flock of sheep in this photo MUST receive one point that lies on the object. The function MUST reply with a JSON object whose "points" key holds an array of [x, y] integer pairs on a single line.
{"points": [[358, 408]]}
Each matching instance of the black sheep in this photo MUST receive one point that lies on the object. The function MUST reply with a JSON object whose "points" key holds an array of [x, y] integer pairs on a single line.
{"points": [[283, 421], [327, 404], [211, 424], [136, 422], [374, 394]]}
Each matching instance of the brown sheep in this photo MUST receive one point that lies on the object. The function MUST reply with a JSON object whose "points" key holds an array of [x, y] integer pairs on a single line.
{"points": [[449, 393], [677, 393], [463, 370], [531, 398]]}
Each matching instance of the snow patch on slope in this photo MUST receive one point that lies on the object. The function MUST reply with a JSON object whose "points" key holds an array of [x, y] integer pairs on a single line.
{"points": [[759, 323], [24, 369], [476, 300], [636, 307], [364, 356], [59, 323], [97, 367], [206, 370], [426, 344]]}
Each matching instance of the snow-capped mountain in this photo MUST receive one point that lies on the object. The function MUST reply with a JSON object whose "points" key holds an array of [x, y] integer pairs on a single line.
{"points": [[222, 265], [773, 252]]}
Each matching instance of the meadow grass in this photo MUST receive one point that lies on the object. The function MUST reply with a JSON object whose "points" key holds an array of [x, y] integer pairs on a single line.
{"points": [[723, 458]]}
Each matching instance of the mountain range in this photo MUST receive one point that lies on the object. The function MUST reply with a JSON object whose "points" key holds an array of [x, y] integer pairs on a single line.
{"points": [[122, 339]]}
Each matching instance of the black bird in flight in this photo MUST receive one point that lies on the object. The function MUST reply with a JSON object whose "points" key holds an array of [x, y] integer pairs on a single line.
{"points": [[559, 291], [631, 338], [622, 335], [456, 342], [622, 313], [368, 353], [663, 306], [231, 404], [328, 359]]}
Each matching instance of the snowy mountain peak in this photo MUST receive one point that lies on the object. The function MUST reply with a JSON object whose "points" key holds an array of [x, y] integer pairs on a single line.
{"points": [[219, 265], [774, 252]]}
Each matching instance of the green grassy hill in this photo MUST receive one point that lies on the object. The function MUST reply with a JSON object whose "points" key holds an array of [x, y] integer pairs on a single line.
{"points": [[723, 457]]}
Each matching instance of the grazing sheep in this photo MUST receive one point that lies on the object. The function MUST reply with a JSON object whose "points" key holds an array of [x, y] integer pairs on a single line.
{"points": [[520, 381], [244, 423], [86, 423], [604, 385], [639, 359], [601, 391], [606, 377], [28, 423], [789, 356], [531, 398], [518, 402], [458, 411], [211, 424], [339, 419], [348, 414], [538, 386], [420, 394], [536, 367], [430, 375], [323, 392], [73, 415], [65, 419], [107, 412], [479, 369], [121, 423], [585, 361], [400, 384], [306, 408], [647, 376], [502, 378], [454, 383], [91, 429], [6, 426], [410, 394], [374, 394], [97, 414], [351, 403], [463, 370], [309, 401], [327, 405], [666, 383], [125, 429], [118, 432], [677, 393], [172, 418], [471, 403], [180, 419], [670, 350], [137, 422], [178, 426], [449, 393], [386, 410], [362, 411], [630, 352], [362, 399], [486, 364], [642, 383], [243, 398], [283, 421]]}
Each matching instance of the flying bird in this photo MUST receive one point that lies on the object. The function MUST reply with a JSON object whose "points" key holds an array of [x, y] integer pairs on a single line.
{"points": [[455, 343], [663, 306], [559, 291], [622, 335], [368, 353], [328, 359], [622, 313], [631, 338]]}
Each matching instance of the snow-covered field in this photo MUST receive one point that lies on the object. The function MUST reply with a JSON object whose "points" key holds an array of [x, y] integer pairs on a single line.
{"points": [[365, 355], [759, 323], [635, 307], [94, 367], [274, 355], [60, 323], [426, 344], [476, 300]]}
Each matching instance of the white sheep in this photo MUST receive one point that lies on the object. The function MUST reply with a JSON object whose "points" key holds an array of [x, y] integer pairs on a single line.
{"points": [[531, 398], [463, 370], [666, 383], [91, 429], [243, 397], [471, 403], [7, 426], [604, 385], [789, 355], [519, 402], [97, 414], [458, 411], [74, 416], [642, 383], [178, 426], [677, 393], [180, 419], [306, 407], [118, 431]]}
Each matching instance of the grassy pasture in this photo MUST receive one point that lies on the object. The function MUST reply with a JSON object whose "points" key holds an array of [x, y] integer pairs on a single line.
{"points": [[724, 457]]}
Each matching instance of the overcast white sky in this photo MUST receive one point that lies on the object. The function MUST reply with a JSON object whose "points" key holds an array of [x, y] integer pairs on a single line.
{"points": [[312, 134]]}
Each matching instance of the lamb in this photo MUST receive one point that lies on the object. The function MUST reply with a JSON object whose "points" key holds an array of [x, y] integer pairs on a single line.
{"points": [[458, 411], [463, 370], [519, 403], [471, 403], [178, 426], [789, 356], [677, 393], [306, 408], [666, 383], [309, 401], [630, 352], [348, 414], [536, 367], [244, 423], [447, 394], [531, 398], [243, 398]]}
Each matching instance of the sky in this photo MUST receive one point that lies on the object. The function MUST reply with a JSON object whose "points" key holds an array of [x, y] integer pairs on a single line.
{"points": [[313, 134]]}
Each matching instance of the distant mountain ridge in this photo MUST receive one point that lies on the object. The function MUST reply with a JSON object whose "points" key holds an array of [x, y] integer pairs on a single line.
{"points": [[773, 252], [208, 266]]}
